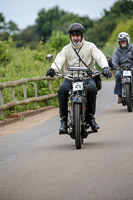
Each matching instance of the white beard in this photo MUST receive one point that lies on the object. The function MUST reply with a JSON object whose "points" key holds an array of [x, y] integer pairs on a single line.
{"points": [[123, 45], [76, 44]]}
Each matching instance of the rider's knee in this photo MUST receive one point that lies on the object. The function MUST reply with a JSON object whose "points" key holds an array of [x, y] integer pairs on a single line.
{"points": [[92, 89], [118, 75]]}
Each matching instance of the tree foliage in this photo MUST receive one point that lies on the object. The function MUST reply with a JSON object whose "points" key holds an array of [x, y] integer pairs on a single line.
{"points": [[55, 19], [28, 37], [6, 51], [58, 20], [122, 26], [48, 21], [9, 27], [103, 28], [2, 22], [57, 41]]}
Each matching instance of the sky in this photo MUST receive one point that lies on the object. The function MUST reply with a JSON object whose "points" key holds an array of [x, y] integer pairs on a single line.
{"points": [[25, 12]]}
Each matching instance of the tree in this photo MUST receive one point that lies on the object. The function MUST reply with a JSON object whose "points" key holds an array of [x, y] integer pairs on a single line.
{"points": [[100, 33], [12, 27], [123, 26], [103, 28], [47, 21], [28, 37], [2, 22], [7, 29], [58, 20]]}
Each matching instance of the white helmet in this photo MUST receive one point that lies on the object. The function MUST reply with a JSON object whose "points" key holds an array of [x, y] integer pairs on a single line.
{"points": [[123, 36]]}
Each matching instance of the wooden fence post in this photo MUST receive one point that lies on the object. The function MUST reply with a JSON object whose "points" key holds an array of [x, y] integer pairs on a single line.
{"points": [[25, 94], [1, 103], [35, 88], [13, 97], [13, 94], [49, 86]]}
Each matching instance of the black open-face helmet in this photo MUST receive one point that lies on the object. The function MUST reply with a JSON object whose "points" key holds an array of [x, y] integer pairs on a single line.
{"points": [[76, 28]]}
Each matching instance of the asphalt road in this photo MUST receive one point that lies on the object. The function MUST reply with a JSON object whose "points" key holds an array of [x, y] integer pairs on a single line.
{"points": [[36, 163]]}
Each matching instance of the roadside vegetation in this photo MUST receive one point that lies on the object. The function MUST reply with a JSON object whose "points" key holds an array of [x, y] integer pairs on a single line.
{"points": [[23, 53]]}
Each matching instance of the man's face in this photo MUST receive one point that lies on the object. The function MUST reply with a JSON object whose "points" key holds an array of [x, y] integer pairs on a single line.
{"points": [[76, 38], [123, 44]]}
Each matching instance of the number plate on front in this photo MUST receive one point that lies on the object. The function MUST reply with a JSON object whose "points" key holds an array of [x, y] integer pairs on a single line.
{"points": [[126, 73], [77, 86]]}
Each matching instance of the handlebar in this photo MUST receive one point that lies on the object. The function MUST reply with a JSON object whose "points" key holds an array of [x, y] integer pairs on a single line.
{"points": [[83, 69], [123, 67], [70, 77], [86, 69]]}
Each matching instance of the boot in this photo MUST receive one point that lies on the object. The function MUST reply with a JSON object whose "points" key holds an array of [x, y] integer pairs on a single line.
{"points": [[63, 111], [92, 122], [90, 119], [119, 99]]}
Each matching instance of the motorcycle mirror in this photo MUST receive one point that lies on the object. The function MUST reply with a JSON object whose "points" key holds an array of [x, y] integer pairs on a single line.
{"points": [[123, 67], [49, 57], [109, 57]]}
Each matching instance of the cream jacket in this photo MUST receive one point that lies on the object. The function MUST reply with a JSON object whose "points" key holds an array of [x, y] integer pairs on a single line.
{"points": [[88, 52]]}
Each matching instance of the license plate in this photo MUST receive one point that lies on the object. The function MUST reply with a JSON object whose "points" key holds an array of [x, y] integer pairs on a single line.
{"points": [[126, 73], [78, 86]]}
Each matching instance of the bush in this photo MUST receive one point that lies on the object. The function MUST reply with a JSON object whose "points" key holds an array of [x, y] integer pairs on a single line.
{"points": [[17, 63], [57, 41], [6, 52]]}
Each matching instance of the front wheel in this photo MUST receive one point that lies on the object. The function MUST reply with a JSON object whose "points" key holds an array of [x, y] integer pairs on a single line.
{"points": [[77, 125], [128, 97]]}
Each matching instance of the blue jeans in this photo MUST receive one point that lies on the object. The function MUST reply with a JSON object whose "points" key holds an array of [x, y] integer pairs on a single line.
{"points": [[118, 85]]}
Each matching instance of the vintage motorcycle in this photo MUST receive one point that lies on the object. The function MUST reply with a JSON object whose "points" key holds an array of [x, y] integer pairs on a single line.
{"points": [[126, 81], [127, 87], [77, 102]]}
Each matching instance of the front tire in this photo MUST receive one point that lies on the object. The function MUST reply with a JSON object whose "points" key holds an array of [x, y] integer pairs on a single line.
{"points": [[77, 125], [128, 97]]}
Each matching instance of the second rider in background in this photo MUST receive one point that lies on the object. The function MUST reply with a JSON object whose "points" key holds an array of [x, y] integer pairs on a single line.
{"points": [[123, 55]]}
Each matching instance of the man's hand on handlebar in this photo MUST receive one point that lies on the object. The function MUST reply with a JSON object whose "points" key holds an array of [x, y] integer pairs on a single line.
{"points": [[106, 72], [50, 72]]}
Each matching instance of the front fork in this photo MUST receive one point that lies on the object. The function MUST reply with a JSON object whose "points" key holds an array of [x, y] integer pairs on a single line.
{"points": [[81, 99], [75, 98], [127, 80]]}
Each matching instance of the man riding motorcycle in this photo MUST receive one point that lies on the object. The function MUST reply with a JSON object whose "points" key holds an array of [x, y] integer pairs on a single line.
{"points": [[78, 53], [123, 55]]}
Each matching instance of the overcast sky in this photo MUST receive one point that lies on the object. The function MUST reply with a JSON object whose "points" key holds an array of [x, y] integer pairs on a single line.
{"points": [[25, 12]]}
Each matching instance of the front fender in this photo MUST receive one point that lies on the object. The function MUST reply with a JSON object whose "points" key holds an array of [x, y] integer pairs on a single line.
{"points": [[127, 80]]}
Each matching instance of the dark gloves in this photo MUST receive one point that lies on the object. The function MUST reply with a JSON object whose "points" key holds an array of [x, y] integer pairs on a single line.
{"points": [[106, 72], [50, 72]]}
